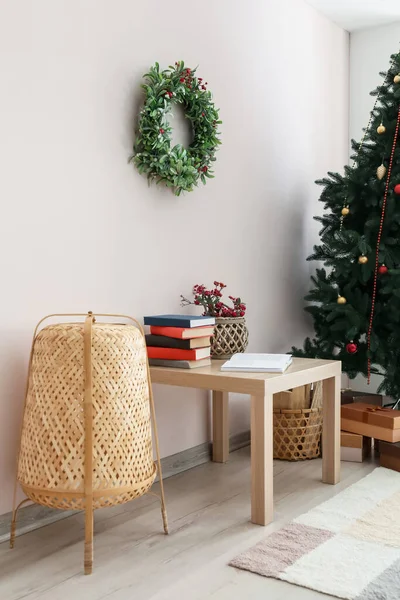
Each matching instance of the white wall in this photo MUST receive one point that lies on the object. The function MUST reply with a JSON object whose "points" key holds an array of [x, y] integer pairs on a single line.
{"points": [[81, 230], [370, 51]]}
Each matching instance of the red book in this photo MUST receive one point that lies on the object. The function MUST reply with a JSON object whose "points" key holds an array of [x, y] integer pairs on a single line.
{"points": [[181, 332], [177, 353]]}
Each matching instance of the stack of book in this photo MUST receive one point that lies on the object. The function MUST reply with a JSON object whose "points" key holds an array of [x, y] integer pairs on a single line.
{"points": [[180, 341]]}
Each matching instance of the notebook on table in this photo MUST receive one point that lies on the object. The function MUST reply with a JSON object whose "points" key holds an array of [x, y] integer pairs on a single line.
{"points": [[258, 363]]}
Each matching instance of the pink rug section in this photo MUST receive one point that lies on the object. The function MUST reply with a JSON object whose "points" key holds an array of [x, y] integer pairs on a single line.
{"points": [[281, 550]]}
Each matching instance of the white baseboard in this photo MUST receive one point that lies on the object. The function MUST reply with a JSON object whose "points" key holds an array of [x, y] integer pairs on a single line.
{"points": [[34, 516]]}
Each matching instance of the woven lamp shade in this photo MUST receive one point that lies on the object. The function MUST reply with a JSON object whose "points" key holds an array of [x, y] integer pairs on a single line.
{"points": [[86, 438]]}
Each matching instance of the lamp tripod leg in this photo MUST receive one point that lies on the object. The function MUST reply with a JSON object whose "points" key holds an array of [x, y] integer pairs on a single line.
{"points": [[88, 558], [164, 513], [162, 497], [14, 521], [88, 414]]}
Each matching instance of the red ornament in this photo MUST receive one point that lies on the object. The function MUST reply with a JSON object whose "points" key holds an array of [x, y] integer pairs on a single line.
{"points": [[397, 189], [351, 348], [383, 270]]}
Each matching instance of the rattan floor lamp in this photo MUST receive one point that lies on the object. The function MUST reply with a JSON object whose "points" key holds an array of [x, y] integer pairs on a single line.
{"points": [[86, 437]]}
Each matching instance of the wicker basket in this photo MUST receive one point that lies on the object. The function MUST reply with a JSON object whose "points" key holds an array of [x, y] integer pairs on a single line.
{"points": [[230, 336], [86, 439], [297, 433]]}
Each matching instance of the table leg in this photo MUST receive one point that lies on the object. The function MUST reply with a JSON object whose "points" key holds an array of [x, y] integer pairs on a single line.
{"points": [[220, 402], [331, 430], [262, 504]]}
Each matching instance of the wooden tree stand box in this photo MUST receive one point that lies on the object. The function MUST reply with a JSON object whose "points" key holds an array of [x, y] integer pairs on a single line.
{"points": [[354, 447], [371, 421], [350, 396], [390, 455]]}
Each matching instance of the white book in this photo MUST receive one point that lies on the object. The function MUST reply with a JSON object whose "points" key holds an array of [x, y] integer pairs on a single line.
{"points": [[258, 363]]}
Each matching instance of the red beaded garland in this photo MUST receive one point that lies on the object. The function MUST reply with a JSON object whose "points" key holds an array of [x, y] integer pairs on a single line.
{"points": [[371, 318]]}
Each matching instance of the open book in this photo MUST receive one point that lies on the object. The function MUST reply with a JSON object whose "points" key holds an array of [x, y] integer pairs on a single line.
{"points": [[258, 363]]}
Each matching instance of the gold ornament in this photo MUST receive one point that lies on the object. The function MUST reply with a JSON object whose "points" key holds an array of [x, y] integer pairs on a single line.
{"points": [[341, 300], [381, 171], [396, 78], [345, 211], [362, 259], [381, 128]]}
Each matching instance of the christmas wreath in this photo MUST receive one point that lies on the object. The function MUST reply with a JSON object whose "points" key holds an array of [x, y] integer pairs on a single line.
{"points": [[178, 167]]}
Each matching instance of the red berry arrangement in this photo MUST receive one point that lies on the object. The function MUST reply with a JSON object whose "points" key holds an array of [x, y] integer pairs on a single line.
{"points": [[211, 301]]}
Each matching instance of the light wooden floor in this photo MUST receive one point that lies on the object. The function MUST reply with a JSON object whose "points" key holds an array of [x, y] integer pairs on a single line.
{"points": [[208, 509]]}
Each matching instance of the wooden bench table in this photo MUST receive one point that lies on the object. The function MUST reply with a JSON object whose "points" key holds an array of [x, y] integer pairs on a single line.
{"points": [[261, 387]]}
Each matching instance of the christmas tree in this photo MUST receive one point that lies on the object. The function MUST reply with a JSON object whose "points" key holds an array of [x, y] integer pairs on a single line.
{"points": [[355, 297]]}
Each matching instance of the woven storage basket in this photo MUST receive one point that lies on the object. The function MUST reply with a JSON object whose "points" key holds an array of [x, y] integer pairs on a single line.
{"points": [[86, 438], [297, 433], [230, 336]]}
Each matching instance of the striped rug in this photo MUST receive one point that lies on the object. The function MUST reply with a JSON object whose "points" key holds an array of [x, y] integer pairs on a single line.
{"points": [[348, 547]]}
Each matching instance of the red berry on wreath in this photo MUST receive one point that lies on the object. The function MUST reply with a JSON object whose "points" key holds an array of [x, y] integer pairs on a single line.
{"points": [[203, 114], [397, 189], [200, 79], [203, 87], [383, 270], [205, 169], [351, 348], [162, 131], [182, 80]]}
